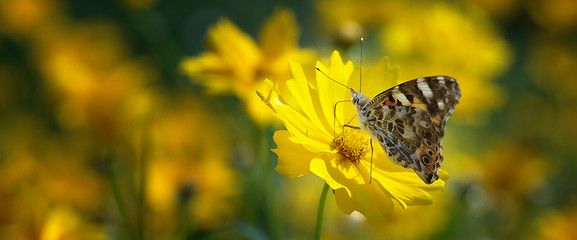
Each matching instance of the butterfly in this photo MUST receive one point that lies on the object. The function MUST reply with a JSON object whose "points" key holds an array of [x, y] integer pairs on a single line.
{"points": [[409, 121]]}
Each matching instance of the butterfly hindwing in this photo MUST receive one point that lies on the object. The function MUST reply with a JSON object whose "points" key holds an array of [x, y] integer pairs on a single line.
{"points": [[409, 138]]}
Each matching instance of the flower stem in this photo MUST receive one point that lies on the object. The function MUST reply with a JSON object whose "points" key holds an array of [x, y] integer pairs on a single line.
{"points": [[320, 212]]}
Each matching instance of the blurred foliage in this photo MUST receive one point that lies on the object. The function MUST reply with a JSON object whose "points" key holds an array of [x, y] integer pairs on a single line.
{"points": [[105, 135]]}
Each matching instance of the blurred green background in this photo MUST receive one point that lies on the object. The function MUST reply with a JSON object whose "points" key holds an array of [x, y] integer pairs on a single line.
{"points": [[106, 134]]}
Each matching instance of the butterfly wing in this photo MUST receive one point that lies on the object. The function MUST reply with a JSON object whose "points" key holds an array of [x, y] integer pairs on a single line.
{"points": [[436, 95], [409, 122], [409, 138]]}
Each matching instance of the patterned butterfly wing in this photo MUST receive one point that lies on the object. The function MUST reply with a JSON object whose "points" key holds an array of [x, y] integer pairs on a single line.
{"points": [[409, 122]]}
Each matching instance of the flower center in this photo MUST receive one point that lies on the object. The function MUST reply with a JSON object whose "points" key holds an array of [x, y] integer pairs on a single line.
{"points": [[351, 144]]}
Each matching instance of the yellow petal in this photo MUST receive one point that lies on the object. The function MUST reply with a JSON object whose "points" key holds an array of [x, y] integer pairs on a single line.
{"points": [[293, 159], [209, 70], [375, 79], [279, 35], [369, 199], [318, 167], [404, 185], [344, 201], [302, 130], [303, 92], [238, 51], [330, 93]]}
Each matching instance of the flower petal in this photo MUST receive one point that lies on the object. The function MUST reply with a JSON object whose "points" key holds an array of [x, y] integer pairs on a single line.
{"points": [[239, 51], [404, 185], [302, 131], [376, 79], [330, 93], [279, 35], [208, 66], [293, 159], [369, 199]]}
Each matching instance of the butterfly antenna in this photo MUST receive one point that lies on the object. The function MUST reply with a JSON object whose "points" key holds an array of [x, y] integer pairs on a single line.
{"points": [[331, 78], [361, 70]]}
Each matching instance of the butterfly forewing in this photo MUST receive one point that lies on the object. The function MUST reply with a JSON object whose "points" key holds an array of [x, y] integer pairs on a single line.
{"points": [[409, 121]]}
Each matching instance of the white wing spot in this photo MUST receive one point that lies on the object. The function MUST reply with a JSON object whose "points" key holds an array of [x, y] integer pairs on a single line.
{"points": [[401, 97], [424, 87], [441, 105], [440, 78], [424, 124]]}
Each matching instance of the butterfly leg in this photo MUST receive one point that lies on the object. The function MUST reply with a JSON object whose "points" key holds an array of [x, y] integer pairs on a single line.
{"points": [[335, 114], [371, 171], [353, 127]]}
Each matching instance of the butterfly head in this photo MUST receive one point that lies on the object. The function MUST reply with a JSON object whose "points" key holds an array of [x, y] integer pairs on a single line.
{"points": [[358, 99]]}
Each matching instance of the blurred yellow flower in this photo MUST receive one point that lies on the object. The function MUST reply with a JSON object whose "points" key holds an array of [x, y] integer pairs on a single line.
{"points": [[236, 64], [22, 18], [46, 183], [558, 225], [433, 38], [189, 172], [88, 72], [65, 223], [554, 15], [348, 19], [501, 9], [507, 185], [552, 64], [315, 141]]}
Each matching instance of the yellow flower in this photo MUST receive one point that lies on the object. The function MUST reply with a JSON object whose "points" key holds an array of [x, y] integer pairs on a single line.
{"points": [[96, 83], [189, 174], [505, 180], [315, 141], [347, 19], [558, 225], [64, 223], [438, 39], [27, 18], [500, 9], [44, 173], [236, 64], [556, 15]]}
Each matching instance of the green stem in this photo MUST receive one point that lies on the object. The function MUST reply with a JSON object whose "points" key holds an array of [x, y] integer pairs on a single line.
{"points": [[125, 224], [320, 212]]}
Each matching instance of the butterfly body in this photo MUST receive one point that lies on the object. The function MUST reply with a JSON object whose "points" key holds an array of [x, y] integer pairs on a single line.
{"points": [[409, 121]]}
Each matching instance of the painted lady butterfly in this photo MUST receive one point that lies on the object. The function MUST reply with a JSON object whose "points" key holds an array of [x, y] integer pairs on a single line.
{"points": [[409, 121]]}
